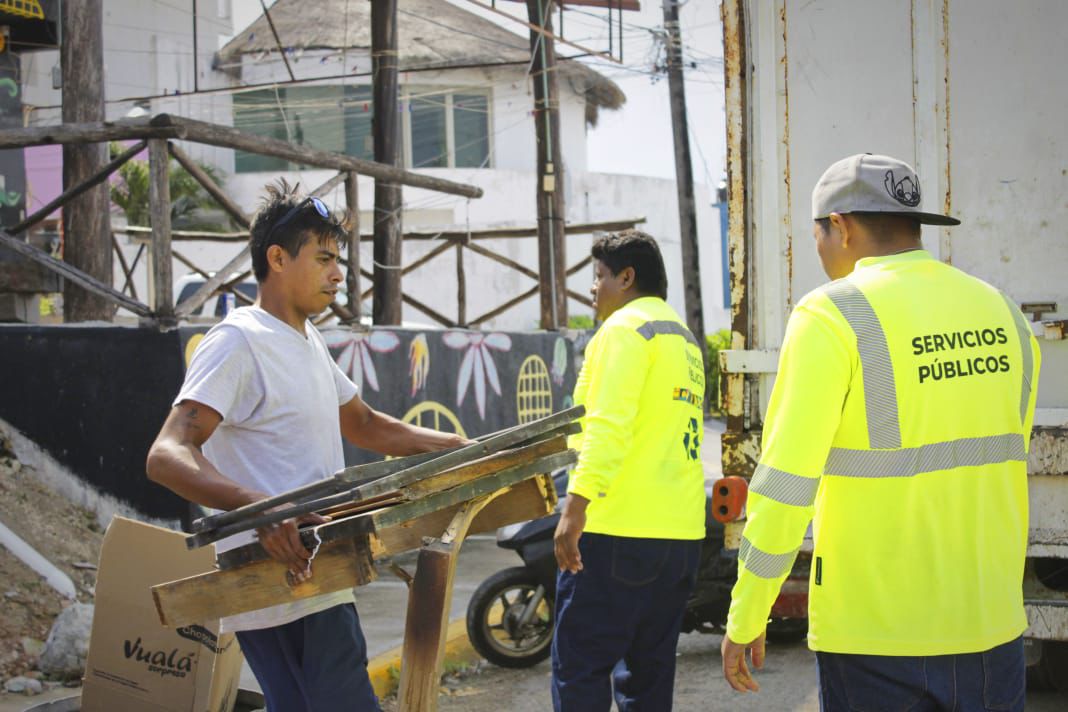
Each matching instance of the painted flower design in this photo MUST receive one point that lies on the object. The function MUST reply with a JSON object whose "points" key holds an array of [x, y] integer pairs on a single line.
{"points": [[559, 369], [352, 351], [418, 362], [477, 367]]}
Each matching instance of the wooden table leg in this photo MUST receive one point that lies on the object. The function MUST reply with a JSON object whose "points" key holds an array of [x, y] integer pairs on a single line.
{"points": [[427, 621]]}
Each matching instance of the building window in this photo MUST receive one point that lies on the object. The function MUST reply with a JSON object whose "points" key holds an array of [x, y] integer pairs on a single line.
{"points": [[428, 133], [470, 121], [440, 129]]}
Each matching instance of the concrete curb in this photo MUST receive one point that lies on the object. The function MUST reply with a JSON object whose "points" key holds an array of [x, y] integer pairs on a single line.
{"points": [[384, 669]]}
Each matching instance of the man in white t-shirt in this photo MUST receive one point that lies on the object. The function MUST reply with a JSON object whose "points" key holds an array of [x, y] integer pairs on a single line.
{"points": [[262, 411]]}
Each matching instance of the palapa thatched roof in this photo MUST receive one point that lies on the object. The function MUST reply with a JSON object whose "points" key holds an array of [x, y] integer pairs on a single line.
{"points": [[431, 34]]}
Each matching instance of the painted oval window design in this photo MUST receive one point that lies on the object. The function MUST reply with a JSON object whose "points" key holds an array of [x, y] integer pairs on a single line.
{"points": [[430, 414], [533, 390]]}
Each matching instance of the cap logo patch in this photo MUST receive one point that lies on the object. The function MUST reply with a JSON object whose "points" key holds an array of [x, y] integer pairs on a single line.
{"points": [[905, 191]]}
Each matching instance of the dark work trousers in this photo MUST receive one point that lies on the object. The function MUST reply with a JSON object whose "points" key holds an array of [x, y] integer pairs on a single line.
{"points": [[625, 607], [972, 682], [313, 664]]}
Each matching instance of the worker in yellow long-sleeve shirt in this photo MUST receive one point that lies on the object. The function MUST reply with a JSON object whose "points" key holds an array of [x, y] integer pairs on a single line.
{"points": [[629, 536], [901, 418]]}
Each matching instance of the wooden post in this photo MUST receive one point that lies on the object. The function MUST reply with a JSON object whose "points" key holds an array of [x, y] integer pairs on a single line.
{"points": [[86, 219], [352, 273], [691, 268], [429, 605], [161, 291], [461, 286], [386, 127], [552, 261]]}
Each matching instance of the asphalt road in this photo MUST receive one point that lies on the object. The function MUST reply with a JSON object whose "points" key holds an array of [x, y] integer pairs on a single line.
{"points": [[788, 684]]}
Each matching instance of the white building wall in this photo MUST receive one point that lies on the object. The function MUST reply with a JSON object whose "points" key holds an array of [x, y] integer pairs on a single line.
{"points": [[148, 52], [511, 99], [510, 200]]}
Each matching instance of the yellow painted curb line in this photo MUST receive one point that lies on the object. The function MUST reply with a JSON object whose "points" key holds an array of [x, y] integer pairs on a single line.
{"points": [[384, 669]]}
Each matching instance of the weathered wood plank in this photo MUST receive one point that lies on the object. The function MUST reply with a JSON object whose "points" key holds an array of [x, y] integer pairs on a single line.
{"points": [[481, 468], [72, 274], [352, 248], [580, 298], [207, 596], [429, 604], [502, 260], [372, 477], [349, 509], [585, 262], [159, 208], [126, 270], [342, 480], [139, 232], [504, 233], [227, 137], [416, 264], [341, 564], [506, 306], [224, 592], [400, 513], [530, 499], [392, 516], [87, 132]]}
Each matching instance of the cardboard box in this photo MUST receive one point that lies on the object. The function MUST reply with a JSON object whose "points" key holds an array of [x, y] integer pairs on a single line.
{"points": [[134, 662]]}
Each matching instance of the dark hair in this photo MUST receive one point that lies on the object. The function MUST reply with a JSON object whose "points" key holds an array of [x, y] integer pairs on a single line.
{"points": [[280, 199], [884, 227], [636, 249]]}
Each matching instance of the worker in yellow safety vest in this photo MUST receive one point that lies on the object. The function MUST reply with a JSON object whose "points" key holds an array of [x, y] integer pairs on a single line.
{"points": [[901, 419], [629, 537]]}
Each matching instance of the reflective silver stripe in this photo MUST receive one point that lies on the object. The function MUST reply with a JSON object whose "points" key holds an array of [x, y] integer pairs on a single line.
{"points": [[911, 461], [880, 392], [666, 328], [765, 565], [1024, 332], [784, 487]]}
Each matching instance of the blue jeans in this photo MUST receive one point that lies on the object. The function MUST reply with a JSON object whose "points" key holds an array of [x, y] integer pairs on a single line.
{"points": [[991, 681], [618, 621], [316, 663]]}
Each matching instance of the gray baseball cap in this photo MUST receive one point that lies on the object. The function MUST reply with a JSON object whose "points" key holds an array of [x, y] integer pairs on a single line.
{"points": [[873, 184]]}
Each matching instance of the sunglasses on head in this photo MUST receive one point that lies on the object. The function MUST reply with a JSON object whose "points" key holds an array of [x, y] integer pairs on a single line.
{"points": [[320, 207]]}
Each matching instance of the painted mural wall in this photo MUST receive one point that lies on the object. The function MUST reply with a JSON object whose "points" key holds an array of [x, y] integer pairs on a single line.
{"points": [[94, 397], [467, 382]]}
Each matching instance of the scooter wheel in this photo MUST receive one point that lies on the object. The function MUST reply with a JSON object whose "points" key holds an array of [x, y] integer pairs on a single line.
{"points": [[494, 619]]}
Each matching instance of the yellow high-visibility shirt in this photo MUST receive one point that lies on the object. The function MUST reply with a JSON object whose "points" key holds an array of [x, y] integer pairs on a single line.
{"points": [[901, 417], [640, 448]]}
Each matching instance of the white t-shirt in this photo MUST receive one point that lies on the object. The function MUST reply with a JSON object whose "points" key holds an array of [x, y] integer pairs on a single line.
{"points": [[278, 393]]}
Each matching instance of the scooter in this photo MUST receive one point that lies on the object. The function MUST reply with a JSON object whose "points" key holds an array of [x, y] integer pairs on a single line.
{"points": [[510, 618]]}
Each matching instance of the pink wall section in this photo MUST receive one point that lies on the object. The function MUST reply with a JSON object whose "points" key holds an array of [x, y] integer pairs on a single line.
{"points": [[44, 176]]}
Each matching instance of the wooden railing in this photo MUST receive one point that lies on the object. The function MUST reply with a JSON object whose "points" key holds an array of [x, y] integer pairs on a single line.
{"points": [[157, 134]]}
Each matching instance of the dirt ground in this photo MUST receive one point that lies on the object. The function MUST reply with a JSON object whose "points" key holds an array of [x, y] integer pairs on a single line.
{"points": [[63, 533]]}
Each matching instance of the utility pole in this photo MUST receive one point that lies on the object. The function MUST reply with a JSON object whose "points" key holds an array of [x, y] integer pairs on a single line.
{"points": [[386, 307], [552, 263], [691, 268], [86, 219]]}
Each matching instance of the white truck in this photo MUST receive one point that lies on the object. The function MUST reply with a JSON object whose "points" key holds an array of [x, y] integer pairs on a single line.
{"points": [[973, 94]]}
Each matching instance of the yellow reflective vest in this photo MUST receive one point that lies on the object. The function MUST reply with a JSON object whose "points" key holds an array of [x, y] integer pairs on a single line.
{"points": [[901, 418], [639, 463]]}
